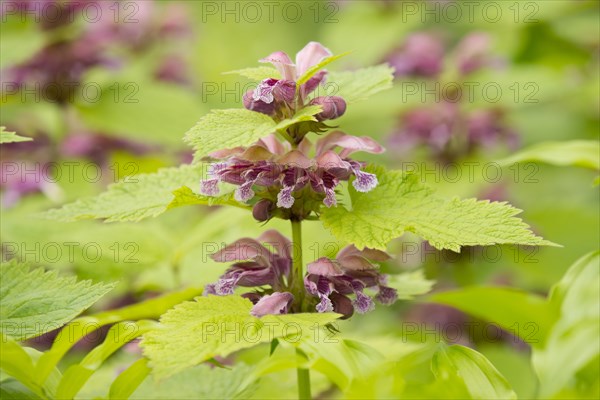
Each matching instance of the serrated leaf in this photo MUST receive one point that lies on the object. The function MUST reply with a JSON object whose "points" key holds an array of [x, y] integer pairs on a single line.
{"points": [[256, 73], [409, 284], [317, 67], [401, 203], [142, 196], [184, 196], [83, 326], [196, 331], [226, 129], [461, 368], [359, 85], [582, 153], [33, 302], [523, 314], [11, 137]]}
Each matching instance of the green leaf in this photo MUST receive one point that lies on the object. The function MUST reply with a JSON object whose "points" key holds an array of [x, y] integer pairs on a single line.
{"points": [[18, 362], [83, 326], [226, 129], [355, 86], [138, 197], [305, 114], [201, 382], [33, 302], [14, 390], [523, 314], [460, 368], [401, 203], [119, 334], [256, 73], [580, 153], [409, 284], [11, 137], [184, 196], [316, 68], [211, 326], [341, 360], [573, 341], [129, 380]]}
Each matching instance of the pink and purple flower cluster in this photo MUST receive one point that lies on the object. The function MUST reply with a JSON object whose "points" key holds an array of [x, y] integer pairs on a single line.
{"points": [[350, 282]]}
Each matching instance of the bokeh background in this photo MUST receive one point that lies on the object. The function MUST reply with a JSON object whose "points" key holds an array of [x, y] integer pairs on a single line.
{"points": [[108, 89]]}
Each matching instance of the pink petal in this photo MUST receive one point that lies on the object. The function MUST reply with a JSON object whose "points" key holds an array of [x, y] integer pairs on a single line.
{"points": [[295, 158], [241, 250], [329, 160], [281, 244], [285, 198], [283, 63], [272, 144], [305, 146], [371, 254], [276, 303], [256, 153], [356, 263], [225, 153], [348, 143], [209, 187], [364, 182], [310, 55], [313, 83], [325, 267]]}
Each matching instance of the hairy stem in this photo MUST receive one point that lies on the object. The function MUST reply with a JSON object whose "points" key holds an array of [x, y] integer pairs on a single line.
{"points": [[298, 284]]}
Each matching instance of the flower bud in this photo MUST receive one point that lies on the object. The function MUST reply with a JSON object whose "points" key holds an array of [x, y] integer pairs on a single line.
{"points": [[333, 107], [262, 211], [257, 105]]}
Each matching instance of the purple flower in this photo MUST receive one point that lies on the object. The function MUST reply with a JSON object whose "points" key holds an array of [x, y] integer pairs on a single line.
{"points": [[422, 55], [275, 303], [473, 53], [15, 184], [277, 173], [312, 54], [332, 281], [273, 94], [254, 264]]}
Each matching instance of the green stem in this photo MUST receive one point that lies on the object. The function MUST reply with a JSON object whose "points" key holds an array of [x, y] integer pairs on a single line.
{"points": [[303, 381], [297, 266], [298, 285]]}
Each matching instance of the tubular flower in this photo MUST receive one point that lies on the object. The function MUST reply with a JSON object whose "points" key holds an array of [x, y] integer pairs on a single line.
{"points": [[332, 281], [329, 283], [254, 264], [273, 94], [282, 172]]}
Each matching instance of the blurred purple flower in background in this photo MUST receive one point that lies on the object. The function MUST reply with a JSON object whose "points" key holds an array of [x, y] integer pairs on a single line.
{"points": [[447, 128]]}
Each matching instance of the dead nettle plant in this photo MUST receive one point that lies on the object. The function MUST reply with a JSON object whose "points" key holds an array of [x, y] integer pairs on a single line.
{"points": [[281, 157]]}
